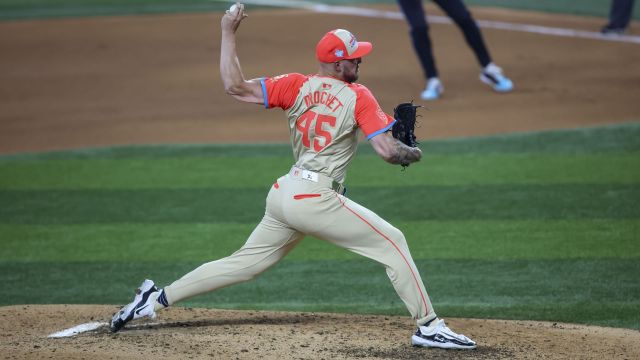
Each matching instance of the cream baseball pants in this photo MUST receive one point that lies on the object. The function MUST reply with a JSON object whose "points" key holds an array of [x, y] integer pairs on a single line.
{"points": [[305, 203]]}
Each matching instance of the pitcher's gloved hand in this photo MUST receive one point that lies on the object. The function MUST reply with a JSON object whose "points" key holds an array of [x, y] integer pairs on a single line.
{"points": [[404, 128]]}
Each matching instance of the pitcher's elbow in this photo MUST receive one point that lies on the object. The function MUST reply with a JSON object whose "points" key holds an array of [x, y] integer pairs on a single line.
{"points": [[231, 90]]}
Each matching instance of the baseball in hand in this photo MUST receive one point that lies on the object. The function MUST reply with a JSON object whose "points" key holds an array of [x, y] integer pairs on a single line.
{"points": [[233, 8]]}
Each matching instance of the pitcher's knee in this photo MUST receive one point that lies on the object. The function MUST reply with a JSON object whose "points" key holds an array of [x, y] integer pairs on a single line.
{"points": [[398, 237], [251, 272]]}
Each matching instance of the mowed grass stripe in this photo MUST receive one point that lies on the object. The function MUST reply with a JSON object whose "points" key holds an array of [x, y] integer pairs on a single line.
{"points": [[247, 205], [500, 169], [622, 138], [242, 172], [506, 238], [490, 240], [563, 290]]}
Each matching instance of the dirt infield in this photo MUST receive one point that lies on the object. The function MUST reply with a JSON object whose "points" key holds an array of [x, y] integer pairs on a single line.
{"points": [[77, 83], [154, 79], [225, 334]]}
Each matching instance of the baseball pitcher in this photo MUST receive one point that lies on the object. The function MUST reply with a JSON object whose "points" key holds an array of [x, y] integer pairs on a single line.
{"points": [[326, 113]]}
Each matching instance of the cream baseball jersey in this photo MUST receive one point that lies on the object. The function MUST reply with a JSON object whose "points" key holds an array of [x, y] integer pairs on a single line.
{"points": [[325, 117]]}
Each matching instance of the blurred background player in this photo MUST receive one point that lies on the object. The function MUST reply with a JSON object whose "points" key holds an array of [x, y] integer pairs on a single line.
{"points": [[619, 17], [490, 74]]}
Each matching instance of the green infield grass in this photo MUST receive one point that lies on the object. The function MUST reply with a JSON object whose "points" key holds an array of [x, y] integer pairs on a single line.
{"points": [[540, 226]]}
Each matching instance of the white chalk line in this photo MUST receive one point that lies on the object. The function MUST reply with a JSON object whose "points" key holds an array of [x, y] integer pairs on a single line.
{"points": [[396, 15], [86, 327], [73, 331]]}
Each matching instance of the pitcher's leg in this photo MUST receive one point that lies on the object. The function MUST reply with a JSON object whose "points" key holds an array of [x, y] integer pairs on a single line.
{"points": [[270, 241], [360, 230]]}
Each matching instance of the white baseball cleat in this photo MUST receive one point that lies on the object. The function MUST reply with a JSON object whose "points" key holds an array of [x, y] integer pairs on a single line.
{"points": [[440, 336], [433, 90], [143, 305], [493, 76]]}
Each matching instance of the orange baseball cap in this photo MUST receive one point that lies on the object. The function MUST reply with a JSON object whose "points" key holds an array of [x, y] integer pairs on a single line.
{"points": [[340, 44]]}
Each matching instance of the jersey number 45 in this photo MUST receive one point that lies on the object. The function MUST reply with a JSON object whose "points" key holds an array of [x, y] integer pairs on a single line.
{"points": [[320, 123]]}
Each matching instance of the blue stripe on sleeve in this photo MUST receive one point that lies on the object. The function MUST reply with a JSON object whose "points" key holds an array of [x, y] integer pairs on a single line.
{"points": [[381, 130], [264, 93]]}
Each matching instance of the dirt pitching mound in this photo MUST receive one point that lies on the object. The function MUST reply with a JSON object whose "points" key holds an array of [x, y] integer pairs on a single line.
{"points": [[184, 333]]}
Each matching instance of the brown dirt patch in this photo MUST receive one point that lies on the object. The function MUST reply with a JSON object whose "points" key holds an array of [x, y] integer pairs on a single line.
{"points": [[180, 333], [77, 83]]}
